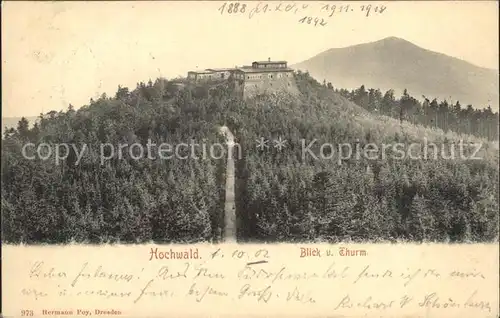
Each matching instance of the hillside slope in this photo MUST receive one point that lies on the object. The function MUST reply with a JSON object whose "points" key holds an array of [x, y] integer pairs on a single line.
{"points": [[394, 63], [284, 195], [281, 193]]}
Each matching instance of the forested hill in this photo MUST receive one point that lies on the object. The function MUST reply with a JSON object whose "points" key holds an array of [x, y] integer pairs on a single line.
{"points": [[281, 195]]}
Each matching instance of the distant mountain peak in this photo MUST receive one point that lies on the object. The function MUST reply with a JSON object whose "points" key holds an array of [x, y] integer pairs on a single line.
{"points": [[395, 63], [391, 42], [394, 39]]}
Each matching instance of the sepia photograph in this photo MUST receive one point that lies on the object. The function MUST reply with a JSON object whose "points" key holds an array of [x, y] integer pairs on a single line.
{"points": [[250, 159], [249, 122]]}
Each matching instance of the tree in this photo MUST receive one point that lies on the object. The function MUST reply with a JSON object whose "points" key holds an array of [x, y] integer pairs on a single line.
{"points": [[361, 97], [420, 221], [388, 103], [23, 128], [122, 93]]}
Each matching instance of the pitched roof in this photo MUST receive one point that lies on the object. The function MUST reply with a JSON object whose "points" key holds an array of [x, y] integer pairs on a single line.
{"points": [[270, 62], [202, 72], [221, 69], [264, 70]]}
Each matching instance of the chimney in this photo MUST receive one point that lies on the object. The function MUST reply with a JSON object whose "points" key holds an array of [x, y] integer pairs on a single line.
{"points": [[269, 59]]}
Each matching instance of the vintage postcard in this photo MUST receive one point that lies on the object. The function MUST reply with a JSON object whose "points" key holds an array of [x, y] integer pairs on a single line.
{"points": [[250, 159]]}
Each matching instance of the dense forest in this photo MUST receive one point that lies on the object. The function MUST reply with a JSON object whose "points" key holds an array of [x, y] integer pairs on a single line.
{"points": [[446, 115], [280, 195]]}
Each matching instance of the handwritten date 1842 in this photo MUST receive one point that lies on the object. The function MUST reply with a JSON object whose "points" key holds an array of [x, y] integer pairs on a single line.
{"points": [[313, 21]]}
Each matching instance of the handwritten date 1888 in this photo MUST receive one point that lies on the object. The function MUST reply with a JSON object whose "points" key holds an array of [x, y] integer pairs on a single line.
{"points": [[233, 7]]}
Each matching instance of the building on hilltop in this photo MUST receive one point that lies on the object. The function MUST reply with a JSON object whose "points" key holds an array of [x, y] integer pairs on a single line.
{"points": [[264, 77], [200, 75], [259, 78], [269, 64], [211, 74], [221, 73]]}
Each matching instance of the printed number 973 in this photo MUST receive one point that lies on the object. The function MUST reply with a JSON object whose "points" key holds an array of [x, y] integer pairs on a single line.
{"points": [[26, 313], [231, 7]]}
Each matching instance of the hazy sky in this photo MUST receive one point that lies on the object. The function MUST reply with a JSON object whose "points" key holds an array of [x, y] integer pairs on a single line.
{"points": [[60, 53]]}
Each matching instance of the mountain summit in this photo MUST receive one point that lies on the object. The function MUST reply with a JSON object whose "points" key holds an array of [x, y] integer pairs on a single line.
{"points": [[394, 63]]}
